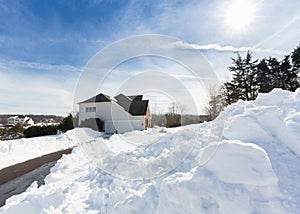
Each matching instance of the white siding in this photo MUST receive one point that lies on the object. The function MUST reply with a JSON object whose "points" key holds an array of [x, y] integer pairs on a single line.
{"points": [[129, 125], [104, 111], [122, 126], [110, 127], [110, 111]]}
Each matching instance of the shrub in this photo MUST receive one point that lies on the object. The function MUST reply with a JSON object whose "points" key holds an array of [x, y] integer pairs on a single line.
{"points": [[66, 124], [173, 120], [11, 133], [36, 131], [95, 124]]}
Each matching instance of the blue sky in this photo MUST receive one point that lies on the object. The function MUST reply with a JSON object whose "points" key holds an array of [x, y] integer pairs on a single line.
{"points": [[45, 44]]}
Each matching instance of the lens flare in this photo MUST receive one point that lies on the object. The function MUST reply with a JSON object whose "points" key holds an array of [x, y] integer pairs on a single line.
{"points": [[240, 15]]}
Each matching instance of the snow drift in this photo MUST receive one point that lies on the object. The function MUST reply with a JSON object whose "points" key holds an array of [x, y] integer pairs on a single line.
{"points": [[18, 151], [255, 168]]}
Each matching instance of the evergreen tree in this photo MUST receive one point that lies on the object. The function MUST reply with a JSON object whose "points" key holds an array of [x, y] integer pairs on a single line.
{"points": [[289, 75], [230, 93], [243, 84], [282, 75], [263, 77], [295, 56], [36, 131], [250, 77], [275, 77], [66, 124]]}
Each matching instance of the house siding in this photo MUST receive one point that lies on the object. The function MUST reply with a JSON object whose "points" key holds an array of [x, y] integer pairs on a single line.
{"points": [[111, 113]]}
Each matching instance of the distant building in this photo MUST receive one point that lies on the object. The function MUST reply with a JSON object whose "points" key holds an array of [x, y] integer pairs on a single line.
{"points": [[120, 113], [48, 121], [19, 119]]}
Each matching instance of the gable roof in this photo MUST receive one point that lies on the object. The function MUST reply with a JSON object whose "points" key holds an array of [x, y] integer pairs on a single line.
{"points": [[136, 97], [134, 105], [124, 101], [98, 98]]}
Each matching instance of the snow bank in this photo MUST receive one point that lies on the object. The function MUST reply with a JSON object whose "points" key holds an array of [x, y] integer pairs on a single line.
{"points": [[76, 185], [145, 155], [272, 117], [272, 122], [18, 151], [254, 170], [251, 164]]}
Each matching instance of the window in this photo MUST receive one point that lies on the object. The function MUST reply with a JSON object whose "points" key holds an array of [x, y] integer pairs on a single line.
{"points": [[90, 109]]}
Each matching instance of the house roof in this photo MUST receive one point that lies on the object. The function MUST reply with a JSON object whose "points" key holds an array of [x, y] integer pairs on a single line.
{"points": [[138, 107], [18, 116], [136, 97], [123, 101], [98, 98], [13, 117], [134, 104]]}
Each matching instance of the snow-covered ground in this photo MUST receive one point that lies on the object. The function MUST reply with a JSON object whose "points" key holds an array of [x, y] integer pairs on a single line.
{"points": [[255, 169], [18, 151]]}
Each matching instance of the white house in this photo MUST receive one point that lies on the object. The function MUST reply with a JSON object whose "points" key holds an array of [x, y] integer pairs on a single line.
{"points": [[120, 113], [21, 119]]}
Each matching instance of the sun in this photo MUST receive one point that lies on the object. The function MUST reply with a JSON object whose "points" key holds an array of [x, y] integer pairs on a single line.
{"points": [[240, 15]]}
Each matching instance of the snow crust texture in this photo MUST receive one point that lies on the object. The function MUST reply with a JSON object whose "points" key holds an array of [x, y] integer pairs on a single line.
{"points": [[256, 168]]}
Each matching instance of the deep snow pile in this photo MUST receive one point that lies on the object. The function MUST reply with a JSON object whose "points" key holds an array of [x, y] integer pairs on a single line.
{"points": [[18, 151], [254, 170]]}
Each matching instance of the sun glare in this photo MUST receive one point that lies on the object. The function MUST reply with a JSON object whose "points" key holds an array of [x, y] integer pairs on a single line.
{"points": [[240, 15]]}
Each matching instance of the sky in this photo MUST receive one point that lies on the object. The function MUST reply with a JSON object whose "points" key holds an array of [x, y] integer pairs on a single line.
{"points": [[45, 45]]}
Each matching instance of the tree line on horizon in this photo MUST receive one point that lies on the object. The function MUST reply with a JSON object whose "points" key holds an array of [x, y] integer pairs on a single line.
{"points": [[252, 76]]}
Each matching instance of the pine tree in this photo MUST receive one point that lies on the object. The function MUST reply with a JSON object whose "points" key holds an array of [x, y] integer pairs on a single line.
{"points": [[230, 93], [282, 74], [263, 77], [66, 124], [290, 77], [275, 72], [244, 78], [250, 77], [295, 56]]}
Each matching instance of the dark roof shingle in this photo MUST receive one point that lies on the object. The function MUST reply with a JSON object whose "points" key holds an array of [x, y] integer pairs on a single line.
{"points": [[138, 107], [123, 101], [98, 98], [134, 105]]}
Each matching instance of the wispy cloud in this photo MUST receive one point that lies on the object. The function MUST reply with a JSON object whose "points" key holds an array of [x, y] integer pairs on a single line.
{"points": [[42, 66], [229, 48], [49, 92], [21, 93], [212, 47]]}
